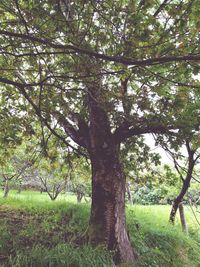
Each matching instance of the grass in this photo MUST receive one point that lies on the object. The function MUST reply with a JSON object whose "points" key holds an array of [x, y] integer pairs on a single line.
{"points": [[34, 196], [35, 231], [158, 242]]}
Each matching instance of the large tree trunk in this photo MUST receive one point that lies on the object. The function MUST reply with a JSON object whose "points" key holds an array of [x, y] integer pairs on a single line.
{"points": [[107, 221]]}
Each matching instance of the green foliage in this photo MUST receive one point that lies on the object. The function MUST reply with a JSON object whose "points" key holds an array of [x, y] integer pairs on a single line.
{"points": [[147, 195], [152, 184], [159, 243], [164, 194], [72, 43], [194, 193], [80, 182], [136, 157]]}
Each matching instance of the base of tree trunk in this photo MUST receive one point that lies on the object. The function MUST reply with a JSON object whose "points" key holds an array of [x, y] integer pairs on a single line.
{"points": [[107, 221], [122, 250]]}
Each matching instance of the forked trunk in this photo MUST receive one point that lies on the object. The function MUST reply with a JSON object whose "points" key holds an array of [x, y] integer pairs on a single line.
{"points": [[79, 197], [6, 189], [107, 221]]}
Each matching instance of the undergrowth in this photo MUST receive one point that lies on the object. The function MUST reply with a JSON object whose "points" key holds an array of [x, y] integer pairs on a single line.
{"points": [[35, 231]]}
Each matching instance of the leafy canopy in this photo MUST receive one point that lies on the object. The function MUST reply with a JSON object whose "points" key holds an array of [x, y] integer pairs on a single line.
{"points": [[146, 54]]}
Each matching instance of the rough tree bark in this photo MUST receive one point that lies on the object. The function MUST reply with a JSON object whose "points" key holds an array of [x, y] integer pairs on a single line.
{"points": [[107, 221]]}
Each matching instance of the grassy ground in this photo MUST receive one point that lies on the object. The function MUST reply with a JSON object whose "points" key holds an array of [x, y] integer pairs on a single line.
{"points": [[35, 231]]}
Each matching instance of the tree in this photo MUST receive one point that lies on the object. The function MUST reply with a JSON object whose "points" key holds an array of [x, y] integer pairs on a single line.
{"points": [[50, 184], [80, 179], [136, 157], [188, 139], [50, 176], [188, 173], [97, 73], [15, 164], [51, 173]]}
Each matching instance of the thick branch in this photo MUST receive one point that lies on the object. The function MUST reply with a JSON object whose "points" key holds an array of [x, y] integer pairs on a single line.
{"points": [[7, 81], [117, 59], [161, 7], [76, 135], [35, 54], [128, 130]]}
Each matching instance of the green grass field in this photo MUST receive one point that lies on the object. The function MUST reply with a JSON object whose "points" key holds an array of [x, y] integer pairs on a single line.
{"points": [[35, 231]]}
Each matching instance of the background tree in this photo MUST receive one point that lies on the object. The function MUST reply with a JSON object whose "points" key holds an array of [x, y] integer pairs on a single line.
{"points": [[137, 158], [186, 175], [80, 183], [15, 163], [188, 139]]}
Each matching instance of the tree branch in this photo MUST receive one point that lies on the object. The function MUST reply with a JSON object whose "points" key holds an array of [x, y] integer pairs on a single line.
{"points": [[176, 83], [22, 90], [127, 130], [161, 7], [91, 53], [75, 135]]}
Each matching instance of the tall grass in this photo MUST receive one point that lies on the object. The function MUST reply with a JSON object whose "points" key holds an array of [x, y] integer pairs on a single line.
{"points": [[62, 255], [39, 232], [35, 196], [158, 242]]}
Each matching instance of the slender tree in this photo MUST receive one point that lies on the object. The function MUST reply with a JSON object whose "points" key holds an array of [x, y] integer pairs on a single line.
{"points": [[97, 73], [190, 141], [186, 175]]}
